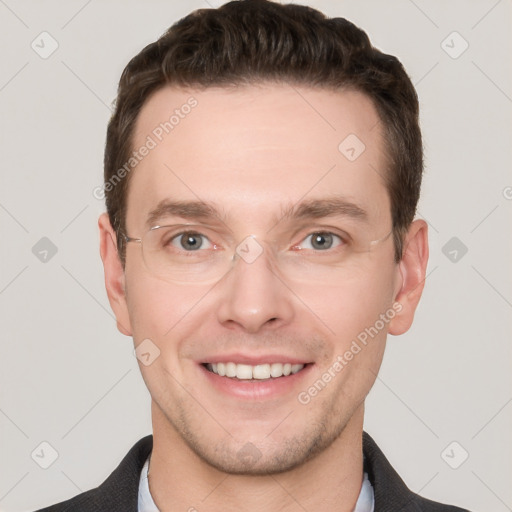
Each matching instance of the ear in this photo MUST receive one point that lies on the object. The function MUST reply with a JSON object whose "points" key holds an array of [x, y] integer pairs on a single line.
{"points": [[114, 274], [410, 277]]}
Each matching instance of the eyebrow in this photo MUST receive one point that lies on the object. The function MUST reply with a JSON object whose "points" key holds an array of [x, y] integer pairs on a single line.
{"points": [[309, 209], [199, 210], [329, 207]]}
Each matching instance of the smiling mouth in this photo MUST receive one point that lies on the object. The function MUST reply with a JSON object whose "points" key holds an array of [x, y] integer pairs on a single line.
{"points": [[257, 372]]}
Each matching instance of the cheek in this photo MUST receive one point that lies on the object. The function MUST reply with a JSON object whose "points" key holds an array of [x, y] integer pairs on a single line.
{"points": [[350, 303], [357, 313], [361, 328], [157, 308], [164, 314]]}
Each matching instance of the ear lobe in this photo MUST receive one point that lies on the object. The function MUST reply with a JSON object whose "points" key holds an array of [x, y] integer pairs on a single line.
{"points": [[114, 274], [411, 269]]}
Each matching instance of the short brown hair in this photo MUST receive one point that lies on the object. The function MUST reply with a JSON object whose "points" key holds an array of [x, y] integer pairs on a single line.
{"points": [[251, 41]]}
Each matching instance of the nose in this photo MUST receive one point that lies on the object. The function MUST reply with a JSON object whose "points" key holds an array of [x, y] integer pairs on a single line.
{"points": [[252, 294]]}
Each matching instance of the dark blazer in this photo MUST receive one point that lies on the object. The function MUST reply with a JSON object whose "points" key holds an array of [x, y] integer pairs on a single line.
{"points": [[119, 492]]}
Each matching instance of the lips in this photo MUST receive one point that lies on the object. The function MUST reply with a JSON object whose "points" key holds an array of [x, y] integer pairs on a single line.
{"points": [[257, 372]]}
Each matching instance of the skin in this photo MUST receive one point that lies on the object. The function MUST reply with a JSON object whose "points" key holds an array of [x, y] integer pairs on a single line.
{"points": [[252, 151]]}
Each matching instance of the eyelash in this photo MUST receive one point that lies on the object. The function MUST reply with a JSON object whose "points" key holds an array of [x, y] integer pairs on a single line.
{"points": [[343, 240]]}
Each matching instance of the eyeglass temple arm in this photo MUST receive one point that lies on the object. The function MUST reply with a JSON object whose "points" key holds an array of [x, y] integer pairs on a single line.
{"points": [[130, 239]]}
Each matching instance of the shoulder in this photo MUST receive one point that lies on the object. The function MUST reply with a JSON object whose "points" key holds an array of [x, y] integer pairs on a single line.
{"points": [[426, 505], [390, 491], [119, 492]]}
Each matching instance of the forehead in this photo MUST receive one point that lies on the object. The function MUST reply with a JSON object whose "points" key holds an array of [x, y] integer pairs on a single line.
{"points": [[254, 149]]}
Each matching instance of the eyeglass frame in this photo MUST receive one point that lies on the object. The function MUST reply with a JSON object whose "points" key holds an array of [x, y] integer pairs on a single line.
{"points": [[128, 239]]}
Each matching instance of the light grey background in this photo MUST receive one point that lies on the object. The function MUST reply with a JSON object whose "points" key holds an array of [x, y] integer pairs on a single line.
{"points": [[70, 379]]}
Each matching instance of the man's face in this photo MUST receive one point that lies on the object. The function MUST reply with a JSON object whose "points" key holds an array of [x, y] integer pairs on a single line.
{"points": [[316, 282]]}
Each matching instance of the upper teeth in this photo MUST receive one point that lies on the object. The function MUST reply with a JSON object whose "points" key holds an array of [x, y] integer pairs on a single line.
{"points": [[260, 371]]}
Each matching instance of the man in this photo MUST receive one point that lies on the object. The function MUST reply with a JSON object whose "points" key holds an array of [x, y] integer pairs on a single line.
{"points": [[262, 171]]}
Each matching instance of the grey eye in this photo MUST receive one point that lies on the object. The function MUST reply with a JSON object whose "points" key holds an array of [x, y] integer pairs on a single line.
{"points": [[190, 241], [321, 241]]}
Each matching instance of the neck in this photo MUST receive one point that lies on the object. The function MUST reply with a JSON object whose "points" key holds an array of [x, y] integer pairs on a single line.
{"points": [[180, 480]]}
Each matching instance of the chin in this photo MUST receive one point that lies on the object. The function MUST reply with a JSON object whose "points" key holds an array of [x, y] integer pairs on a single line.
{"points": [[266, 457]]}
